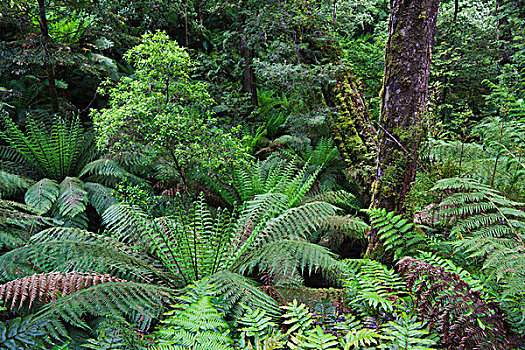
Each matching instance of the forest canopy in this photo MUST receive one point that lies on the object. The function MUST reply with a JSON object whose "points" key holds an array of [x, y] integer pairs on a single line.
{"points": [[187, 174]]}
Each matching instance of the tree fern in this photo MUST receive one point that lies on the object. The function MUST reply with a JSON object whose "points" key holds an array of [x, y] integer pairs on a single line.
{"points": [[274, 175], [53, 150]]}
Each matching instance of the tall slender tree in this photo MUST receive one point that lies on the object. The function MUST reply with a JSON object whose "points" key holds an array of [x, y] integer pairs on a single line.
{"points": [[411, 32]]}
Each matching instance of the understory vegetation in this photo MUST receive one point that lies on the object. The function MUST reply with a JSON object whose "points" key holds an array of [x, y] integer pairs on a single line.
{"points": [[208, 175]]}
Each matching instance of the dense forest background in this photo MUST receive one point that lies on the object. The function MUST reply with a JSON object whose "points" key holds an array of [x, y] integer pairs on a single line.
{"points": [[194, 174]]}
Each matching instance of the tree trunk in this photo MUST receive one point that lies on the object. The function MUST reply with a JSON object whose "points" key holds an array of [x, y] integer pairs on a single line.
{"points": [[44, 33], [403, 98], [248, 76]]}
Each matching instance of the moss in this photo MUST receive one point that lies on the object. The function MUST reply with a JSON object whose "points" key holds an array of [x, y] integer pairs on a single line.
{"points": [[322, 301]]}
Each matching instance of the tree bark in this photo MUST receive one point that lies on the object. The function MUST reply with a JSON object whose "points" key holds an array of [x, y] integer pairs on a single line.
{"points": [[411, 29], [248, 76]]}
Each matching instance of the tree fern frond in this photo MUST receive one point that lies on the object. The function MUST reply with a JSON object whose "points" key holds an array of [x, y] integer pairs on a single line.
{"points": [[51, 149], [11, 184], [20, 216], [299, 222], [42, 195], [73, 198], [74, 256], [41, 289], [108, 171], [139, 303], [21, 333], [239, 290], [283, 258], [345, 226], [128, 223], [99, 196]]}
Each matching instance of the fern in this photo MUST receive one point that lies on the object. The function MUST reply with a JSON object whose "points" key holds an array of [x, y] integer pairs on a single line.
{"points": [[492, 228], [138, 303], [44, 288], [197, 326], [314, 339], [255, 324], [274, 176], [11, 184], [53, 150], [397, 234], [107, 171], [73, 198], [21, 333], [297, 317], [42, 195], [360, 338], [373, 286], [407, 334], [239, 290], [459, 313], [76, 255]]}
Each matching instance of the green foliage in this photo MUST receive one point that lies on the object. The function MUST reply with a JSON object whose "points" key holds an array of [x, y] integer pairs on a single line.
{"points": [[196, 325], [398, 235], [408, 334], [171, 110], [21, 333], [490, 227], [315, 339], [255, 324], [55, 151], [137, 303], [297, 317], [373, 287]]}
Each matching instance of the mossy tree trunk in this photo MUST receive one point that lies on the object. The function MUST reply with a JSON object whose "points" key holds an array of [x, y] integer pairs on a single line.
{"points": [[352, 131], [403, 98]]}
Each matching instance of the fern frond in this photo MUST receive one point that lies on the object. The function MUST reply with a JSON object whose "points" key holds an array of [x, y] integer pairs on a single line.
{"points": [[88, 255], [360, 338], [73, 198], [41, 289], [42, 195], [139, 303], [107, 171], [397, 234], [373, 285], [198, 325], [128, 223], [285, 258], [11, 184], [239, 290], [99, 196], [21, 333]]}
